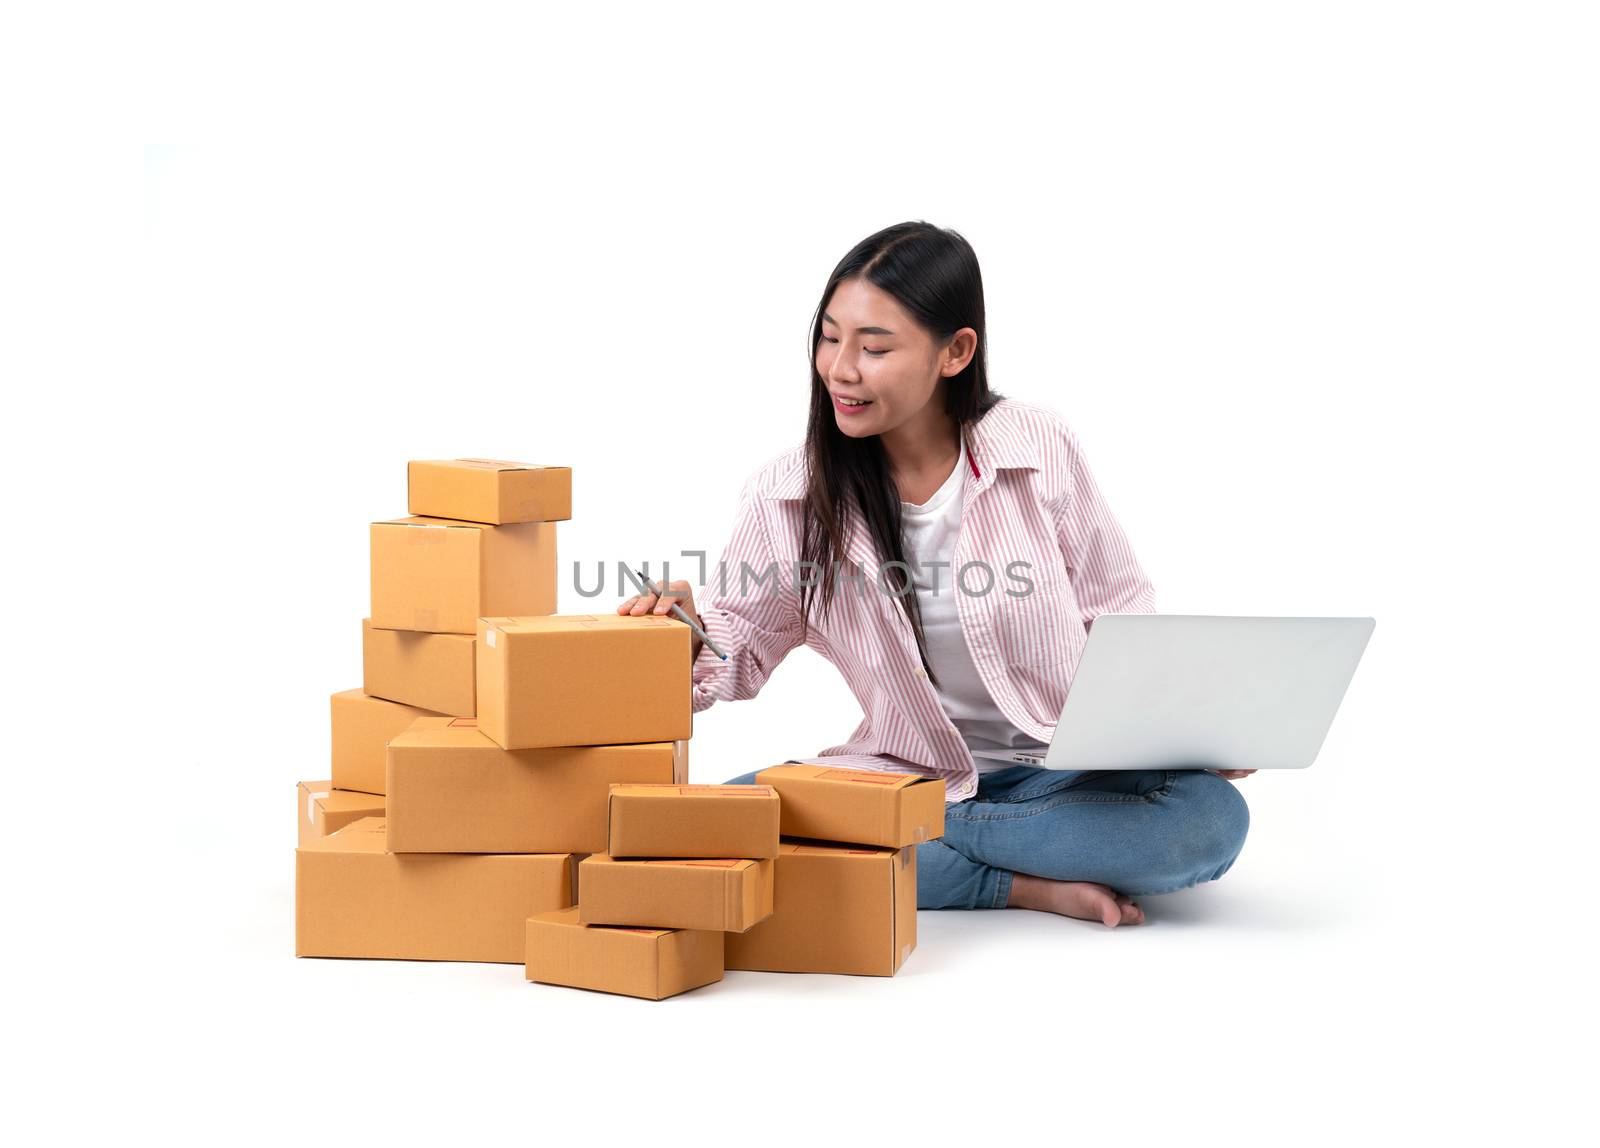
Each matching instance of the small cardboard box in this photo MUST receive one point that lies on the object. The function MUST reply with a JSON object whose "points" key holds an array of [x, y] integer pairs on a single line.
{"points": [[322, 809], [354, 899], [726, 894], [441, 576], [649, 963], [584, 679], [487, 490], [435, 671], [693, 821], [362, 727], [452, 790], [861, 806], [838, 909]]}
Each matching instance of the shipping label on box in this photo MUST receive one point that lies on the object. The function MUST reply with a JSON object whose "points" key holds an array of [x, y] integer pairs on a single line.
{"points": [[639, 962], [434, 671], [324, 809], [441, 576], [727, 894], [584, 679], [362, 727], [355, 899], [693, 821], [490, 491], [861, 806], [452, 790], [836, 909]]}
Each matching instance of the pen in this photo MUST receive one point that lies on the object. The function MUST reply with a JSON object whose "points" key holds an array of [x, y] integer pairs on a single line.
{"points": [[681, 614]]}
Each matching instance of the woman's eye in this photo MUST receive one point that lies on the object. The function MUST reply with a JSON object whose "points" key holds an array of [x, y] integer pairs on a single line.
{"points": [[868, 350]]}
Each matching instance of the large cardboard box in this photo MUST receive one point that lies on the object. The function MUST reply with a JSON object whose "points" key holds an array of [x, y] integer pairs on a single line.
{"points": [[354, 899], [487, 490], [322, 809], [838, 909], [693, 821], [857, 805], [583, 679], [452, 790], [362, 727], [728, 894], [441, 576], [649, 963], [435, 671]]}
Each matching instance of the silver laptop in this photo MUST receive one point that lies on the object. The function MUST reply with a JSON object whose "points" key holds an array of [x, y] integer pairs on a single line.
{"points": [[1202, 691]]}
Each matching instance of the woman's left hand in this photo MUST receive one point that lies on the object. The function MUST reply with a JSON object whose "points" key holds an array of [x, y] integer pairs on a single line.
{"points": [[1233, 774]]}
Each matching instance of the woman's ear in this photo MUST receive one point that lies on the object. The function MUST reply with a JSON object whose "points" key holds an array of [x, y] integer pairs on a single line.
{"points": [[959, 351]]}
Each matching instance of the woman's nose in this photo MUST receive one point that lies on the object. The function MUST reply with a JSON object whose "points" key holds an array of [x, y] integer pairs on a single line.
{"points": [[842, 369]]}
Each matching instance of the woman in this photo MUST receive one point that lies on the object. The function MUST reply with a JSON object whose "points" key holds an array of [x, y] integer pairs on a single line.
{"points": [[947, 549]]}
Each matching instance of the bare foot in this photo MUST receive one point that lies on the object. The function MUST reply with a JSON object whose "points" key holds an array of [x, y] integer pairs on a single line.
{"points": [[1084, 900]]}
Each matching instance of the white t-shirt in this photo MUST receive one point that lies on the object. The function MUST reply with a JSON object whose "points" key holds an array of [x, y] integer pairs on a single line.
{"points": [[930, 532]]}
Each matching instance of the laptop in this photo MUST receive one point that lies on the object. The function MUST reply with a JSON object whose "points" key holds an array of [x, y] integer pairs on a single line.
{"points": [[1201, 691]]}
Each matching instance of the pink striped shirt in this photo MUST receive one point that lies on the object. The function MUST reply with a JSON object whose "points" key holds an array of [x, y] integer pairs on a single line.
{"points": [[1031, 500]]}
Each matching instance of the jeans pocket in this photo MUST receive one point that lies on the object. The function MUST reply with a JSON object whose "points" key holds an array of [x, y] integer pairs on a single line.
{"points": [[1153, 783], [1037, 783]]}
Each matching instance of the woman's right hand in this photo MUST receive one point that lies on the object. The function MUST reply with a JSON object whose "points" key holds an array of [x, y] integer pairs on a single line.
{"points": [[675, 592]]}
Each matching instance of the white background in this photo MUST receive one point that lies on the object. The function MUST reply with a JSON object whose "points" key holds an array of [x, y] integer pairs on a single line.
{"points": [[1316, 284]]}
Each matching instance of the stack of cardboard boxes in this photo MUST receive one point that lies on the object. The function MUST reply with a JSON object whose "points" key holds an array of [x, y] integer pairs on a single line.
{"points": [[847, 871], [685, 867], [509, 784], [811, 869]]}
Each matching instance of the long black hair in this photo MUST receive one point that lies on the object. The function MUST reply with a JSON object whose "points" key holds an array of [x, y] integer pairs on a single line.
{"points": [[933, 273]]}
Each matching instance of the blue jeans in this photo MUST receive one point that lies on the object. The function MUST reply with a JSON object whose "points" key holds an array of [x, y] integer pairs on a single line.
{"points": [[1141, 832]]}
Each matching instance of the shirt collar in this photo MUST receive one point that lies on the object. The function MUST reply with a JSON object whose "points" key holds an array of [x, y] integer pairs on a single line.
{"points": [[992, 444]]}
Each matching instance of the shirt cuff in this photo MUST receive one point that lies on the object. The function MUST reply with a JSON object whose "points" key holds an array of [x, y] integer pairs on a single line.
{"points": [[710, 670]]}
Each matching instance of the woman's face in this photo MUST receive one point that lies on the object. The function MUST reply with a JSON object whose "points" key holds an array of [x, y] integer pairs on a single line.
{"points": [[872, 349]]}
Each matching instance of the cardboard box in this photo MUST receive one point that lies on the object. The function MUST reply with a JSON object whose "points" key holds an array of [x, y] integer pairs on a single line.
{"points": [[322, 809], [441, 576], [726, 894], [838, 909], [649, 963], [353, 899], [861, 806], [452, 790], [435, 671], [362, 727], [693, 821], [487, 490], [583, 679]]}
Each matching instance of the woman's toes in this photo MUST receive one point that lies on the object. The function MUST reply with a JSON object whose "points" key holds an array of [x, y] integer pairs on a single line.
{"points": [[1105, 900]]}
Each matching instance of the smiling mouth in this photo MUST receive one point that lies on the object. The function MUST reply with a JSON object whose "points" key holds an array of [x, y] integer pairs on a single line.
{"points": [[853, 403]]}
